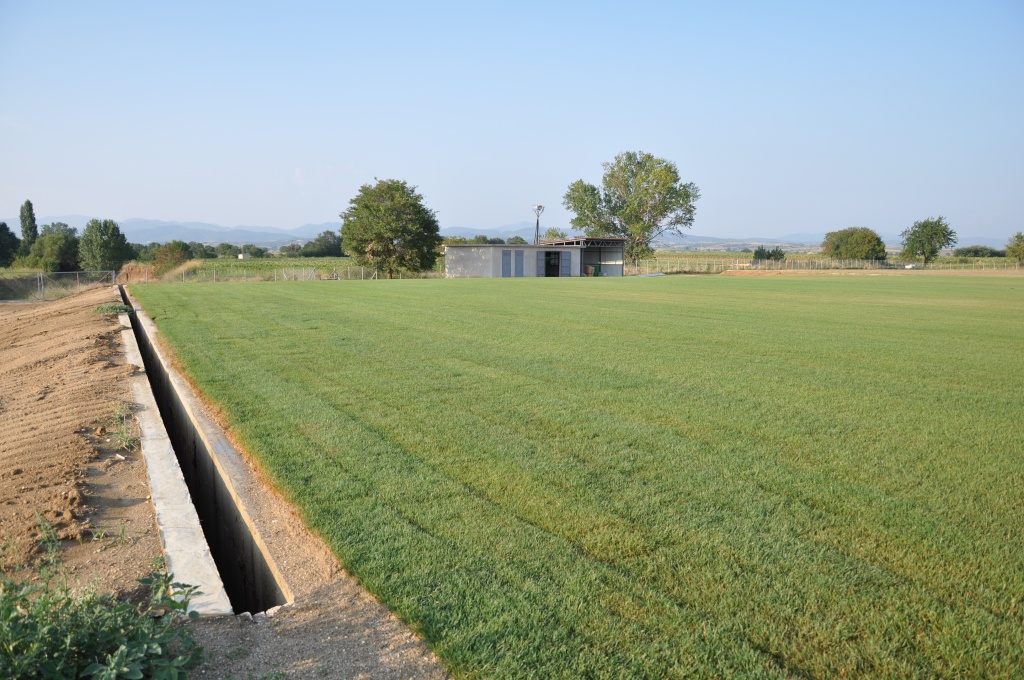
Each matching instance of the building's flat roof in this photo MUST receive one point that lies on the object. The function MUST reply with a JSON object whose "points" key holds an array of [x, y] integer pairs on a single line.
{"points": [[579, 242], [586, 242], [511, 245]]}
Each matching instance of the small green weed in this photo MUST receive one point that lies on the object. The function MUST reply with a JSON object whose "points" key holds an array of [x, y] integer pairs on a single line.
{"points": [[123, 427], [50, 561], [121, 536]]}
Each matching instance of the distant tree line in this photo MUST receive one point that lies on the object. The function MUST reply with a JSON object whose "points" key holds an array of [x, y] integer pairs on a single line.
{"points": [[102, 246], [978, 251], [762, 253], [327, 244]]}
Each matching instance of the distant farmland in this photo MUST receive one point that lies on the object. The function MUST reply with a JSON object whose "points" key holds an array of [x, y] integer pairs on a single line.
{"points": [[808, 476]]}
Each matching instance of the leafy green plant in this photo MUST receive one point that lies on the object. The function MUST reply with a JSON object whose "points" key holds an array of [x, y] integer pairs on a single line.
{"points": [[50, 561], [111, 308], [49, 630]]}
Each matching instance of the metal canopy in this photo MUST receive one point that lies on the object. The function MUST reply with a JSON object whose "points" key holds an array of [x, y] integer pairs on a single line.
{"points": [[586, 242]]}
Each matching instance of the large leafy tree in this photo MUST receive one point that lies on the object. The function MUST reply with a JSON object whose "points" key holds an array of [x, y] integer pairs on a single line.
{"points": [[926, 238], [54, 250], [29, 231], [387, 226], [103, 246], [641, 197], [854, 243], [9, 244], [1015, 248]]}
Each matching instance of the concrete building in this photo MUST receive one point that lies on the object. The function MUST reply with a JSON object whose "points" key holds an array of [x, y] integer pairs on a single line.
{"points": [[566, 257]]}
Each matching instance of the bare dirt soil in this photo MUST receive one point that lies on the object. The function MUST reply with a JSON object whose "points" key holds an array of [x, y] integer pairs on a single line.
{"points": [[64, 380], [61, 465]]}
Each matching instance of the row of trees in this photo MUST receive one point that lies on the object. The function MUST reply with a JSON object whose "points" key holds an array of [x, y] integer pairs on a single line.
{"points": [[387, 226], [327, 244], [923, 240], [58, 247]]}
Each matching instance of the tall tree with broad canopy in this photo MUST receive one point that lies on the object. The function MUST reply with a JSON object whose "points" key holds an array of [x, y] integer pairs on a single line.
{"points": [[926, 238], [103, 246], [854, 243], [1015, 248], [387, 226], [29, 231], [9, 244], [54, 250], [641, 197]]}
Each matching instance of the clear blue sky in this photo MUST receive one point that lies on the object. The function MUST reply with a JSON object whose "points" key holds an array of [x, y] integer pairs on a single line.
{"points": [[790, 117]]}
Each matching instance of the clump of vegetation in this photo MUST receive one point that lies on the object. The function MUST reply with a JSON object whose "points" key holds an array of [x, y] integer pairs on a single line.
{"points": [[775, 253], [123, 427], [1015, 248], [112, 308], [49, 630], [978, 251], [854, 243]]}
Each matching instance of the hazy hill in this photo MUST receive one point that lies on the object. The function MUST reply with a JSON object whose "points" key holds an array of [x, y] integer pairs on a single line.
{"points": [[140, 230]]}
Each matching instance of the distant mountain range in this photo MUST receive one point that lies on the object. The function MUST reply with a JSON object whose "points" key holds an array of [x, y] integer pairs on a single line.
{"points": [[138, 230]]}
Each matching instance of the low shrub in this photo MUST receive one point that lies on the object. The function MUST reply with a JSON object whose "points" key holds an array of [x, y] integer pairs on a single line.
{"points": [[49, 630]]}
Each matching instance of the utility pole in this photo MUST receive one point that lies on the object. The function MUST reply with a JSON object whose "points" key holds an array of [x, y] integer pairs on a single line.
{"points": [[536, 234]]}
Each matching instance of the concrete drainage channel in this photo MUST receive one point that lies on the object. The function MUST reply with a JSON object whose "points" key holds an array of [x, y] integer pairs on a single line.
{"points": [[209, 463]]}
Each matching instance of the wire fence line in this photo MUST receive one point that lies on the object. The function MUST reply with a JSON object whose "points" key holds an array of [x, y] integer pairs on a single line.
{"points": [[30, 285], [711, 265], [235, 274], [41, 286]]}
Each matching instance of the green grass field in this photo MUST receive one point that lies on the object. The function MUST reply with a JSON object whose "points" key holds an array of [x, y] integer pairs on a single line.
{"points": [[712, 476]]}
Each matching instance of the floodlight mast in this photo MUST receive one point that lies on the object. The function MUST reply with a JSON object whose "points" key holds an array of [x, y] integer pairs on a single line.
{"points": [[536, 234]]}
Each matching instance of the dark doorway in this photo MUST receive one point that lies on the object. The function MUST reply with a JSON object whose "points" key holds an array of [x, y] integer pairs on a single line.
{"points": [[552, 262]]}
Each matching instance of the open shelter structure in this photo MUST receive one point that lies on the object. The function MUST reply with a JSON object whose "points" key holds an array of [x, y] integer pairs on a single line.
{"points": [[582, 256]]}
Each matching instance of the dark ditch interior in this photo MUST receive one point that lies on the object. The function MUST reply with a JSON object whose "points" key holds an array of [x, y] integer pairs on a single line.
{"points": [[248, 578]]}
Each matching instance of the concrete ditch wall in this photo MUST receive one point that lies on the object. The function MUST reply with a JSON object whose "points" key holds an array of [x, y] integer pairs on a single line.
{"points": [[210, 464], [186, 553]]}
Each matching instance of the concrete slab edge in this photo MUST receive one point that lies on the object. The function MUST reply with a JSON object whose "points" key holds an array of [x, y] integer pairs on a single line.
{"points": [[226, 458], [186, 554]]}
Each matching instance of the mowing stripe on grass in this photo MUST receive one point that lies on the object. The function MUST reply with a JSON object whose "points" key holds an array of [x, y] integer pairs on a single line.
{"points": [[638, 477]]}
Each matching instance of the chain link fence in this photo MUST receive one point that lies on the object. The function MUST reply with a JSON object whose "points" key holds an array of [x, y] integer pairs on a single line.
{"points": [[40, 286], [711, 265], [143, 274]]}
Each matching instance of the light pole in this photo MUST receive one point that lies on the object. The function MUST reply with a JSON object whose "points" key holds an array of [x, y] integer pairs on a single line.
{"points": [[536, 234]]}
